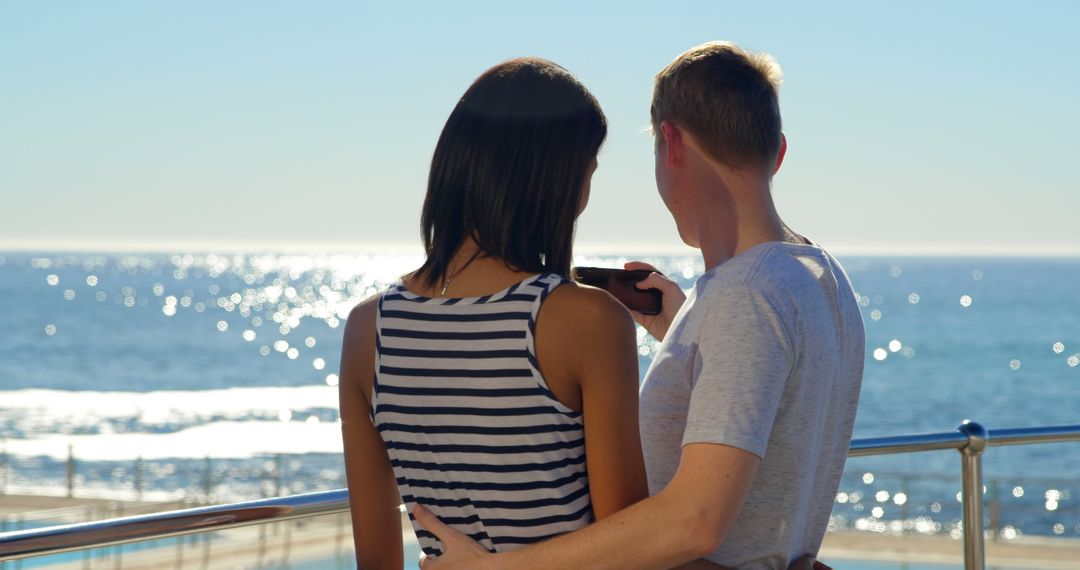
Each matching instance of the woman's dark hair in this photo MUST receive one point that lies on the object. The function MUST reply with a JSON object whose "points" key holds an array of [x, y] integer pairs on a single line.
{"points": [[509, 167]]}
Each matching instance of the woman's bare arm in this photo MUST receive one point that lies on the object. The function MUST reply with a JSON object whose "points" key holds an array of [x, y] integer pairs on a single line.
{"points": [[588, 337], [373, 493]]}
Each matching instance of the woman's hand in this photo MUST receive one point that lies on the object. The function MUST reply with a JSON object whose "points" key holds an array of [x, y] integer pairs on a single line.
{"points": [[672, 299]]}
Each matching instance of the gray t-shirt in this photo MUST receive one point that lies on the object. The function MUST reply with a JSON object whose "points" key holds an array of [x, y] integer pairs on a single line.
{"points": [[766, 355]]}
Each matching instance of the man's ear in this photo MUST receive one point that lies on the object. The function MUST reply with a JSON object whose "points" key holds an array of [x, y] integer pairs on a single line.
{"points": [[673, 144], [780, 155]]}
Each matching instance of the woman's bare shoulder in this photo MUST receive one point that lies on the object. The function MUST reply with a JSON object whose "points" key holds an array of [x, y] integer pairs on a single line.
{"points": [[361, 322], [582, 312], [581, 329], [358, 348]]}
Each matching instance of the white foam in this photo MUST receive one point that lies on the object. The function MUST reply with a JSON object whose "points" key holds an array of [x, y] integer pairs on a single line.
{"points": [[224, 439], [87, 408], [199, 423]]}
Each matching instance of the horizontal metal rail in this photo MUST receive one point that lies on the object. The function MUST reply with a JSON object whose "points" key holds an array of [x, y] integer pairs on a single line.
{"points": [[907, 444], [65, 538], [970, 439], [958, 440], [1025, 436]]}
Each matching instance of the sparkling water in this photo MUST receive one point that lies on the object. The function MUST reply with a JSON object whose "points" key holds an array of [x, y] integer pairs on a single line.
{"points": [[213, 376]]}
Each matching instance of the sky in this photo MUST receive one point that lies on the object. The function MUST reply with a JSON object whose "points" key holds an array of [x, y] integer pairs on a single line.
{"points": [[924, 127]]}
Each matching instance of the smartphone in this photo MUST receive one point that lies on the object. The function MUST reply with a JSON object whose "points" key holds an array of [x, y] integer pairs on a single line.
{"points": [[621, 283]]}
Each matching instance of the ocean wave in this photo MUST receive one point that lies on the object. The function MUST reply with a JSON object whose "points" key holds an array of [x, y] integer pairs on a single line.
{"points": [[35, 414], [165, 405], [223, 439]]}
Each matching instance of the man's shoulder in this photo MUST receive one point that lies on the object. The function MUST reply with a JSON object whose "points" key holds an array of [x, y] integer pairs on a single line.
{"points": [[782, 279], [764, 270], [790, 271]]}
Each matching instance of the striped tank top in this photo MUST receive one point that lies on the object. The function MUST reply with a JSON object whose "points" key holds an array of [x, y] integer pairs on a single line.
{"points": [[471, 428]]}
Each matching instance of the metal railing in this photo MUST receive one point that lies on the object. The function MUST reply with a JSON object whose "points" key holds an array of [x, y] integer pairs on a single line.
{"points": [[66, 538], [970, 439]]}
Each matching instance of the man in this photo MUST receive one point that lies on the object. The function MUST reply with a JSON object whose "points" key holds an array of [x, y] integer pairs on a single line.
{"points": [[748, 407]]}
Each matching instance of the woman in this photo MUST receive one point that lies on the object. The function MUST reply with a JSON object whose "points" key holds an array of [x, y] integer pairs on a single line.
{"points": [[485, 386]]}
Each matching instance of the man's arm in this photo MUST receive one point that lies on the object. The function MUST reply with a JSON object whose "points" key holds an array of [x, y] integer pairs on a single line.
{"points": [[685, 521], [741, 365]]}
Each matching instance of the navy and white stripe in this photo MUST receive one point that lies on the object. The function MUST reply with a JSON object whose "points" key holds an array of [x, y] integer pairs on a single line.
{"points": [[472, 430]]}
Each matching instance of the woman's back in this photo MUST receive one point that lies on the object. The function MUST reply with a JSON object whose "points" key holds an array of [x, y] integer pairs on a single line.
{"points": [[472, 429], [442, 398]]}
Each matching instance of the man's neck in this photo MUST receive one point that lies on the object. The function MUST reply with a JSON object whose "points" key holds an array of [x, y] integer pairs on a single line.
{"points": [[750, 221]]}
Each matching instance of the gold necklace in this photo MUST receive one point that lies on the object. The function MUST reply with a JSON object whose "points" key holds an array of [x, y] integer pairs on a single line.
{"points": [[451, 275]]}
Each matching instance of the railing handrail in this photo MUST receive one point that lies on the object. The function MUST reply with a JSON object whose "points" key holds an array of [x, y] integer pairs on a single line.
{"points": [[957, 440], [110, 532], [906, 443]]}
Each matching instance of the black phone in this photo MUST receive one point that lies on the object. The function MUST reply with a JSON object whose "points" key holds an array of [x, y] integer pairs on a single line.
{"points": [[621, 283]]}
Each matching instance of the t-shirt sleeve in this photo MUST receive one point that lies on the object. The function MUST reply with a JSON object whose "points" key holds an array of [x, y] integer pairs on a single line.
{"points": [[743, 359]]}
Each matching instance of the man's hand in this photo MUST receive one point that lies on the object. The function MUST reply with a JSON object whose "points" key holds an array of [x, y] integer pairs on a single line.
{"points": [[459, 551], [806, 562], [809, 562], [462, 553], [672, 300]]}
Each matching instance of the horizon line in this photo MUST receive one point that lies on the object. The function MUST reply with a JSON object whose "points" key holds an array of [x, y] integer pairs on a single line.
{"points": [[623, 249]]}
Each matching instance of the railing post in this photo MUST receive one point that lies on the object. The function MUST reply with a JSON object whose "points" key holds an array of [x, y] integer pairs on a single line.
{"points": [[118, 550], [339, 540], [277, 485], [3, 465], [88, 513], [905, 486], [261, 552], [138, 476], [206, 550], [286, 550], [179, 553], [995, 508], [20, 523], [277, 474], [208, 480], [971, 474], [71, 471]]}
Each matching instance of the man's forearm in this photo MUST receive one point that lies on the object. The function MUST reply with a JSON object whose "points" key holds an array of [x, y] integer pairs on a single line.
{"points": [[657, 532], [685, 521]]}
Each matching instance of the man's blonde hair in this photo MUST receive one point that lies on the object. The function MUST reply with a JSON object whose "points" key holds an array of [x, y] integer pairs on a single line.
{"points": [[727, 98]]}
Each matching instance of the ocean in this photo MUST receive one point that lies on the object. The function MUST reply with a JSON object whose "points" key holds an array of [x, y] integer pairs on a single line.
{"points": [[212, 377]]}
